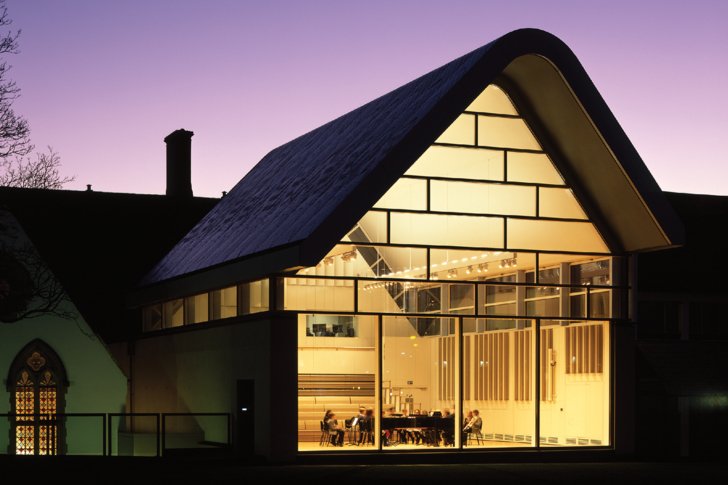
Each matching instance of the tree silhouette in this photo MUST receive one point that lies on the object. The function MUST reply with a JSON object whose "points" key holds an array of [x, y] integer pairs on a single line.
{"points": [[41, 173], [17, 169], [14, 129], [28, 288]]}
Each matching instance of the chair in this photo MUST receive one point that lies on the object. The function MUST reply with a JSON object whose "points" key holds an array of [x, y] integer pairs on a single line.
{"points": [[356, 428], [366, 431], [477, 436], [324, 440]]}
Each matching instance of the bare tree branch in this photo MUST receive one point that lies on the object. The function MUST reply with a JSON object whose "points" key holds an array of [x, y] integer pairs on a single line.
{"points": [[27, 287], [41, 173], [17, 168], [14, 129]]}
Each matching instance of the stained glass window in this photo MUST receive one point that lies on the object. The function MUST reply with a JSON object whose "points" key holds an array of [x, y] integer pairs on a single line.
{"points": [[24, 408], [36, 400]]}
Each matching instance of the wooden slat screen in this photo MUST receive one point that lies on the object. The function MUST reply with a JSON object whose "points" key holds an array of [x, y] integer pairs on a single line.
{"points": [[584, 349], [467, 364], [523, 366], [491, 366], [446, 368], [548, 386]]}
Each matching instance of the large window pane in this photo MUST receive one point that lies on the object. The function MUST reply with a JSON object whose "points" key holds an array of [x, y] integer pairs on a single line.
{"points": [[405, 194], [173, 313], [495, 131], [371, 262], [492, 100], [555, 202], [591, 273], [586, 301], [459, 162], [371, 228], [420, 378], [544, 306], [498, 299], [197, 309], [574, 359], [446, 230], [254, 297], [532, 167], [337, 367], [387, 297], [461, 264], [317, 294], [554, 236], [499, 384], [461, 299], [548, 260], [478, 198], [396, 297], [460, 132], [224, 303]]}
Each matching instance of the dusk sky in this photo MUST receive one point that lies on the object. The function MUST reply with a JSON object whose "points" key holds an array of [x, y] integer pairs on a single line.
{"points": [[103, 81]]}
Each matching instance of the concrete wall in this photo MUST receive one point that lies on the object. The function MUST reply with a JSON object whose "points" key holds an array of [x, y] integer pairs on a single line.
{"points": [[196, 371]]}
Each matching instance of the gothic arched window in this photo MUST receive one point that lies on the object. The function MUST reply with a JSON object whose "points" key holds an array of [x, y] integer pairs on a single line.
{"points": [[37, 384]]}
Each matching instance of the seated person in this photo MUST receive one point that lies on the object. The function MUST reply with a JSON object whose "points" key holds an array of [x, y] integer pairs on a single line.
{"points": [[448, 428], [335, 431], [386, 433], [467, 420], [475, 425], [366, 428]]}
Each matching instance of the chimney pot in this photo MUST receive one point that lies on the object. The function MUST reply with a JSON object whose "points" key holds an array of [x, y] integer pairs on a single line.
{"points": [[179, 162]]}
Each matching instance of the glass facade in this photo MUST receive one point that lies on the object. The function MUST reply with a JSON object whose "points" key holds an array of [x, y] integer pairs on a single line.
{"points": [[474, 301], [470, 307]]}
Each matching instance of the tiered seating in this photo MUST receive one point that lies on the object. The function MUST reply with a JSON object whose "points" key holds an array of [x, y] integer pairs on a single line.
{"points": [[311, 411], [343, 394]]}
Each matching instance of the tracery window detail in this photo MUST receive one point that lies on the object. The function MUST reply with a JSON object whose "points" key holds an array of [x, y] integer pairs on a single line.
{"points": [[37, 381]]}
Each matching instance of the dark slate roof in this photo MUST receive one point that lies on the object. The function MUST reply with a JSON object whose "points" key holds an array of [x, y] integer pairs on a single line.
{"points": [[100, 244], [293, 189], [311, 190]]}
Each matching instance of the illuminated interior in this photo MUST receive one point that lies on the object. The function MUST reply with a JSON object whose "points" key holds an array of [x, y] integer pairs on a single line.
{"points": [[476, 283]]}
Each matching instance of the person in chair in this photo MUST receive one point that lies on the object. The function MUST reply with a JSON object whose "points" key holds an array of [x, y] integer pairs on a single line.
{"points": [[366, 428], [448, 431], [335, 431], [475, 425]]}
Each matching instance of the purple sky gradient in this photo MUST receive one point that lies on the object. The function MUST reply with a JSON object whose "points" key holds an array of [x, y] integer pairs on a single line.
{"points": [[103, 81]]}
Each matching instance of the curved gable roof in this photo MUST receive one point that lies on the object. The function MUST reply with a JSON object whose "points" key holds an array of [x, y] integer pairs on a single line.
{"points": [[308, 192]]}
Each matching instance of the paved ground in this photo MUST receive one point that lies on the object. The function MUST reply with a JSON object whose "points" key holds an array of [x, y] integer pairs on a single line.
{"points": [[133, 472]]}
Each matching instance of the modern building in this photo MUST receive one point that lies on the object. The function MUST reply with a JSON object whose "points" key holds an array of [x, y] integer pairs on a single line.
{"points": [[464, 244]]}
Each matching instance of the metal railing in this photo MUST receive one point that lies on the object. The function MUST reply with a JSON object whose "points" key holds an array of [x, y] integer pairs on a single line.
{"points": [[106, 431]]}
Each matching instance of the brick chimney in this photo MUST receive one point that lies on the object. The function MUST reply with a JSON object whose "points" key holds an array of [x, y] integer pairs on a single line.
{"points": [[179, 161]]}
